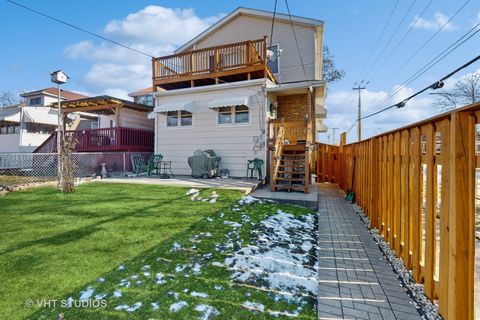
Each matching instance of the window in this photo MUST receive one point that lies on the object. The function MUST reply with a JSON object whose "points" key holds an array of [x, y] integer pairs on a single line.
{"points": [[179, 119], [9, 127], [147, 100], [39, 128], [35, 101], [233, 115], [225, 115], [274, 64]]}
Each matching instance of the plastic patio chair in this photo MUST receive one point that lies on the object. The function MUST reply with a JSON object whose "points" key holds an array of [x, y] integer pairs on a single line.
{"points": [[254, 165], [154, 163]]}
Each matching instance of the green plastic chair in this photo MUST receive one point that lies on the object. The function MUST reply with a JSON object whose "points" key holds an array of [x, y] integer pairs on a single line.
{"points": [[139, 164], [154, 163], [254, 165]]}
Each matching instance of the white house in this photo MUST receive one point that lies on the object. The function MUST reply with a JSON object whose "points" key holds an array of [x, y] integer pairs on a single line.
{"points": [[236, 91], [25, 126]]}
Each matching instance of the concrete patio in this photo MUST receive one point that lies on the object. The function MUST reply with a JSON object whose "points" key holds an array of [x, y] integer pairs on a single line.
{"points": [[245, 185]]}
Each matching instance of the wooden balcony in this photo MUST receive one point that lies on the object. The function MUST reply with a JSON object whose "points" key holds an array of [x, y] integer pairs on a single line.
{"points": [[105, 139], [226, 63]]}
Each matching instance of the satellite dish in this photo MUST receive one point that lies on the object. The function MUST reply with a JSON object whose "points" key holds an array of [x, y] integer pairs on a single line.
{"points": [[271, 56]]}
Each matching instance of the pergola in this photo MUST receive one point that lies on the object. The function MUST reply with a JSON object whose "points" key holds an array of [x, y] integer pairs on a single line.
{"points": [[106, 105]]}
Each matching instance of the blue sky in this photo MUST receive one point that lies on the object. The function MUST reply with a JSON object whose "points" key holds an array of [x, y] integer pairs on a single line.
{"points": [[33, 46]]}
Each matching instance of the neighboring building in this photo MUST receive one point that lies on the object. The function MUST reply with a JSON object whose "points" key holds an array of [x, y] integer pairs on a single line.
{"points": [[122, 126], [229, 91], [25, 126]]}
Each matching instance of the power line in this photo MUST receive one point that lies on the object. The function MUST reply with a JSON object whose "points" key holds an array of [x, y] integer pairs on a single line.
{"points": [[392, 36], [405, 35], [431, 38], [359, 89], [80, 29], [442, 55], [434, 86], [296, 40], [273, 22], [378, 41]]}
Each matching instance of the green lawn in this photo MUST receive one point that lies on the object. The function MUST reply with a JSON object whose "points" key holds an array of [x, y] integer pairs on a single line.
{"points": [[54, 246]]}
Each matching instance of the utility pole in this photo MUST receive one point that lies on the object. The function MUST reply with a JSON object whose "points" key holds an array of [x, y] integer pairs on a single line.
{"points": [[359, 88], [333, 129]]}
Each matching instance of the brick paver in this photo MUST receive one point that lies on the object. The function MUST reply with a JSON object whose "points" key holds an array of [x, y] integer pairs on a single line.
{"points": [[355, 280]]}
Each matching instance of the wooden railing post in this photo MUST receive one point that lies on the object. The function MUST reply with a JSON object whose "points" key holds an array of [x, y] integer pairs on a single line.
{"points": [[461, 216]]}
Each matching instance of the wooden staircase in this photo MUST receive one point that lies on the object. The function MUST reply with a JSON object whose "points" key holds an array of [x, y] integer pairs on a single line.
{"points": [[292, 173]]}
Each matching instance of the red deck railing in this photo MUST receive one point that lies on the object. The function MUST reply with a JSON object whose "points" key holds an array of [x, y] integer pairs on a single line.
{"points": [[104, 139]]}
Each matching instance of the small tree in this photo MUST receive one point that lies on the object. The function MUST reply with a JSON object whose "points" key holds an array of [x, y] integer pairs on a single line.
{"points": [[466, 91], [330, 72], [69, 165]]}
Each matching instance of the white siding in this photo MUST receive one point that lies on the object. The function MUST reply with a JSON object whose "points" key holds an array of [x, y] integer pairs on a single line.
{"points": [[233, 143], [243, 28], [30, 141], [9, 142], [135, 119]]}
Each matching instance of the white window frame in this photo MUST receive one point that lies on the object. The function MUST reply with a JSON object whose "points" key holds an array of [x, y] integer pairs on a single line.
{"points": [[179, 121], [232, 115], [278, 56], [37, 104]]}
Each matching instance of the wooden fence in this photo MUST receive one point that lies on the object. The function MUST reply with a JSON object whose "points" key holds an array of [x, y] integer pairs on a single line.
{"points": [[417, 186]]}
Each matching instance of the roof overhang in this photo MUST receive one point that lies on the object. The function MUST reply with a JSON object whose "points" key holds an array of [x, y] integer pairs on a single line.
{"points": [[249, 12], [100, 104], [290, 88]]}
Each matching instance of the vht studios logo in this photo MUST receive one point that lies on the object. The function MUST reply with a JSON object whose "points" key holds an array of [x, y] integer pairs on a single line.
{"points": [[68, 303]]}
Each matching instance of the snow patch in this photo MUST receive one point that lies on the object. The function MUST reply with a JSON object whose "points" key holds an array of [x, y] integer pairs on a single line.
{"points": [[177, 306], [207, 311], [87, 294], [199, 295], [254, 306]]}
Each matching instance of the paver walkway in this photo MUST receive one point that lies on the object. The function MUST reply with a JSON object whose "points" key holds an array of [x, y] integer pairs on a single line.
{"points": [[355, 280]]}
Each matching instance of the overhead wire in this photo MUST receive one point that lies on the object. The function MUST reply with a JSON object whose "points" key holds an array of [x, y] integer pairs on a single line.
{"points": [[296, 40]]}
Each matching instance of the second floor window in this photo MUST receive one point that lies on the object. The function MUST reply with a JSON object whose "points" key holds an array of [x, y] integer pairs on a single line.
{"points": [[274, 64], [179, 119], [35, 101], [147, 100]]}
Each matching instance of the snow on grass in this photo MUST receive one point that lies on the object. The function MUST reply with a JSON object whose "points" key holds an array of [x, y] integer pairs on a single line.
{"points": [[155, 305], [254, 306], [177, 306], [87, 294], [128, 308], [274, 261], [207, 312], [199, 295]]}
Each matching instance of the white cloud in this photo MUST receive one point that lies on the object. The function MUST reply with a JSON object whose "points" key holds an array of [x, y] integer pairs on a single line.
{"points": [[342, 112], [154, 30], [438, 21]]}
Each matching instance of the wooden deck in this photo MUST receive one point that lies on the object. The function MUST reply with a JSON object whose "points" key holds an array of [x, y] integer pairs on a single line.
{"points": [[104, 139], [226, 63]]}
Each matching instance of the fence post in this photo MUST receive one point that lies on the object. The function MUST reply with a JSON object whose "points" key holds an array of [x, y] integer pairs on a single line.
{"points": [[124, 166], [462, 217]]}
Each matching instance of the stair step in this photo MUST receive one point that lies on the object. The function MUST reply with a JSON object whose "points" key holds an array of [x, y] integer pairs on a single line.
{"points": [[291, 166], [291, 172], [293, 160], [290, 188], [290, 179]]}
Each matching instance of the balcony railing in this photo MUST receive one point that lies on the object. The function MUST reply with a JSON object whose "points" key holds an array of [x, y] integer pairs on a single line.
{"points": [[247, 58], [105, 139]]}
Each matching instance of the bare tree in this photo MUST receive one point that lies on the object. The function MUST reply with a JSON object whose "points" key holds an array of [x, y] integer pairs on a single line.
{"points": [[330, 72], [466, 91], [7, 98]]}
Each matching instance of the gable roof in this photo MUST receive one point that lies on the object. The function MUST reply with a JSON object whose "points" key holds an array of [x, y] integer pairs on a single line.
{"points": [[250, 12], [52, 91]]}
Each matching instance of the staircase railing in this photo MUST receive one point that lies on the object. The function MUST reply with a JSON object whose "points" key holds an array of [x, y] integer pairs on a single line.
{"points": [[276, 156]]}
